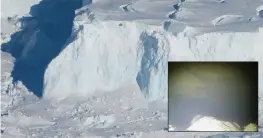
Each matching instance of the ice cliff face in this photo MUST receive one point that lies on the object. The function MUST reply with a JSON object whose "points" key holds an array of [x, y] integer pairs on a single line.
{"points": [[103, 56], [107, 56]]}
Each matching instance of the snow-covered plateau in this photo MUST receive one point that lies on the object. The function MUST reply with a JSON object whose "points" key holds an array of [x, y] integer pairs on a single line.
{"points": [[98, 68]]}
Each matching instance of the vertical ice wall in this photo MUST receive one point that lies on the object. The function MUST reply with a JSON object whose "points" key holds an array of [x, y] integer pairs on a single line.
{"points": [[107, 55]]}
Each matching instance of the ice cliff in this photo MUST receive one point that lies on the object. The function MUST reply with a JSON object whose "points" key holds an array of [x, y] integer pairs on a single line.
{"points": [[103, 56], [108, 55]]}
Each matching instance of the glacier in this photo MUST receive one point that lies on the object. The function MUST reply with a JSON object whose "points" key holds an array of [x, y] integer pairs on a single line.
{"points": [[114, 46], [104, 56], [121, 53]]}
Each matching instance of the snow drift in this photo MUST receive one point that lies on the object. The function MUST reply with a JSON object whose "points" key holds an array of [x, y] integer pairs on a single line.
{"points": [[103, 56]]}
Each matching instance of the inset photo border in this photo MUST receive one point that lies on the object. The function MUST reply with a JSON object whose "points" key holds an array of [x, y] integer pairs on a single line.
{"points": [[212, 96]]}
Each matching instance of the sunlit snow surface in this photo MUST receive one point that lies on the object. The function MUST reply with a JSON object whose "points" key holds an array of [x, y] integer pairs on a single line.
{"points": [[116, 57], [211, 124], [207, 123]]}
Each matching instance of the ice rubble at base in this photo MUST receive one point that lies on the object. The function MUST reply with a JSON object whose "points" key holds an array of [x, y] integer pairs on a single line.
{"points": [[103, 56]]}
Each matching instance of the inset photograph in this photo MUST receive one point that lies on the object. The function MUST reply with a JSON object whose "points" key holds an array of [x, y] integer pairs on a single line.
{"points": [[213, 96]]}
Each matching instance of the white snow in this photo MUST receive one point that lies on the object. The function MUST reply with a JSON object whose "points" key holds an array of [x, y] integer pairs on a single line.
{"points": [[115, 62], [11, 8], [228, 19], [212, 124]]}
